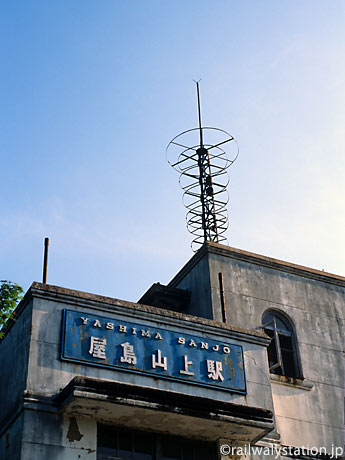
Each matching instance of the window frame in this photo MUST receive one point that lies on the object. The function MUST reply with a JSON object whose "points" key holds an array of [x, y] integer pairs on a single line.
{"points": [[157, 440], [289, 331]]}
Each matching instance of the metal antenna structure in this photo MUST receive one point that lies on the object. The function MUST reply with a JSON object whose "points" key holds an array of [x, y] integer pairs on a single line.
{"points": [[199, 156]]}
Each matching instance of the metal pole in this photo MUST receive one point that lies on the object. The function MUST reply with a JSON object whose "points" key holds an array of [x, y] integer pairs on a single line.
{"points": [[45, 262], [199, 113], [222, 296]]}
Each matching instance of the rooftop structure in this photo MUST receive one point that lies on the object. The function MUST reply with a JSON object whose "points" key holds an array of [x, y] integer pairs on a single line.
{"points": [[238, 349]]}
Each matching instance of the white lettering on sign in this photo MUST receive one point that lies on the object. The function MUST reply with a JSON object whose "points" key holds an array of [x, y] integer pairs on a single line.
{"points": [[97, 347], [128, 355], [109, 325], [214, 369], [186, 363], [203, 345], [145, 333], [153, 347], [159, 361]]}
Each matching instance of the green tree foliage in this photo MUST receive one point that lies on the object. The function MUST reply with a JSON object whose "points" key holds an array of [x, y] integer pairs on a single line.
{"points": [[10, 295]]}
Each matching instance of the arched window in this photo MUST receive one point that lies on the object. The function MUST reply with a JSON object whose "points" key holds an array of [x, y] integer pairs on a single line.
{"points": [[282, 351]]}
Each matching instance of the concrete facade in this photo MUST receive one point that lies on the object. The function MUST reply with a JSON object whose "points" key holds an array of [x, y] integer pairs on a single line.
{"points": [[308, 411], [50, 407]]}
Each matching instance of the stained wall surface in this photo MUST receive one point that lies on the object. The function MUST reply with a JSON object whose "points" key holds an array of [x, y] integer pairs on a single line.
{"points": [[14, 355], [44, 430], [309, 411]]}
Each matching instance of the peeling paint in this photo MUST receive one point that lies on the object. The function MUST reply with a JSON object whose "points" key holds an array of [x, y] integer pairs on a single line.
{"points": [[73, 433]]}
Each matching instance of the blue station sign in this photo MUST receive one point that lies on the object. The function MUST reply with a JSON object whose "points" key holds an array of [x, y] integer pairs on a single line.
{"points": [[168, 354]]}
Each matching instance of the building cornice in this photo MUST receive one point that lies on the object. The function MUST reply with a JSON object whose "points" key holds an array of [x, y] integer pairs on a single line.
{"points": [[257, 259], [113, 305]]}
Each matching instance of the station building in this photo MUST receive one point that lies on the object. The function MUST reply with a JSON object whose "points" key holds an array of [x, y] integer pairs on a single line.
{"points": [[238, 349]]}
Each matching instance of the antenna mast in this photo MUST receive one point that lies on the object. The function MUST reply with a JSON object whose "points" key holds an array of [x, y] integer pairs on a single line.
{"points": [[209, 221], [203, 177], [199, 112]]}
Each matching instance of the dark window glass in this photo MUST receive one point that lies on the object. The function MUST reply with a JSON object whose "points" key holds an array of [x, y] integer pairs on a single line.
{"points": [[125, 444], [282, 354], [204, 452], [272, 353], [188, 452], [143, 446], [115, 444], [289, 365], [107, 444], [104, 453], [285, 342], [171, 450], [281, 325]]}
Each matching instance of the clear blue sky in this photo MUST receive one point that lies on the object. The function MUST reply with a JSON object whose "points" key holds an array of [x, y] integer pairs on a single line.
{"points": [[91, 94]]}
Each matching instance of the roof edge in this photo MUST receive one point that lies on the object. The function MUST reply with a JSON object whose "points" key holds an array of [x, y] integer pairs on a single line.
{"points": [[257, 259], [278, 264], [61, 294]]}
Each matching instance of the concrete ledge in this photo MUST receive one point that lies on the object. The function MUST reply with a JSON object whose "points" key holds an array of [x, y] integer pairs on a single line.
{"points": [[163, 411], [102, 303], [110, 304], [257, 259], [291, 382]]}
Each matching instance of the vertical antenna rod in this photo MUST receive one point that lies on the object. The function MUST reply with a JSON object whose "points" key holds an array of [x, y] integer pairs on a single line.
{"points": [[199, 113], [208, 214], [45, 262], [199, 157]]}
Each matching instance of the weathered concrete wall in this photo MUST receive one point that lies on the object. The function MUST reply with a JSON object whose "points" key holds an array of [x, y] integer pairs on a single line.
{"points": [[51, 436], [196, 278], [307, 414], [48, 375], [14, 355], [10, 441], [308, 411]]}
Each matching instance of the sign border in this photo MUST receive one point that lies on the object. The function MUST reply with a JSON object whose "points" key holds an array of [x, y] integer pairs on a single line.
{"points": [[181, 380]]}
